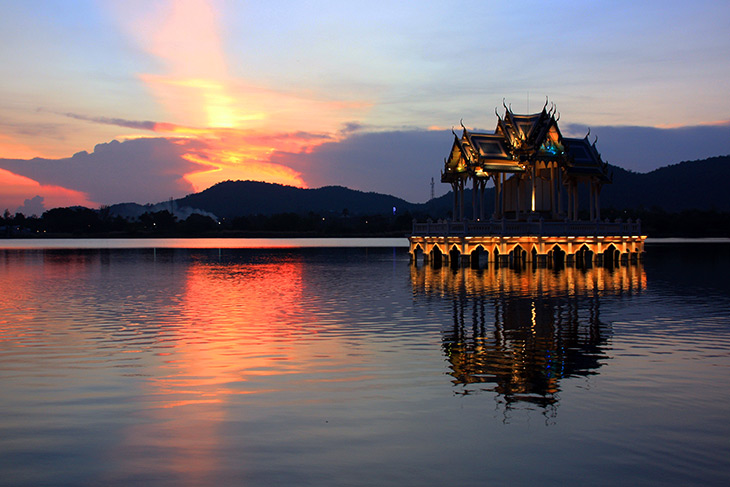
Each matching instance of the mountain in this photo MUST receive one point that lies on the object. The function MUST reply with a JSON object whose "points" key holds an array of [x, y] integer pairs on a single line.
{"points": [[687, 185], [235, 198]]}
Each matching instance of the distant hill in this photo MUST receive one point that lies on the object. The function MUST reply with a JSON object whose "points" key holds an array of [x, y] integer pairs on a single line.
{"points": [[234, 198], [688, 185]]}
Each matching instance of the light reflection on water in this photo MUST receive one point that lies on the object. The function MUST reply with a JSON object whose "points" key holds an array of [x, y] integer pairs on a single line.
{"points": [[518, 332], [350, 367]]}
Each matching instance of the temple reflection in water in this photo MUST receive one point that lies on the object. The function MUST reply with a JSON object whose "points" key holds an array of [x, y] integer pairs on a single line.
{"points": [[519, 332]]}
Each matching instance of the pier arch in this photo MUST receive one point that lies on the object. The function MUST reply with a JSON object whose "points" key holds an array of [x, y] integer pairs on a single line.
{"points": [[479, 257], [584, 256]]}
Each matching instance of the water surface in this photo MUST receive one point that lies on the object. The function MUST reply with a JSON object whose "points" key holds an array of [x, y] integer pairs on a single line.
{"points": [[347, 366]]}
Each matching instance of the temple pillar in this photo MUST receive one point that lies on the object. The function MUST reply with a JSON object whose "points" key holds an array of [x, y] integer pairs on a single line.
{"points": [[455, 189], [474, 198], [533, 176], [461, 200], [497, 188], [591, 201], [503, 178], [559, 184], [598, 201], [553, 206]]}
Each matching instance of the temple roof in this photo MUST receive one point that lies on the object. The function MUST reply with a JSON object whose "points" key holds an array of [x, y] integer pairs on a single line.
{"points": [[585, 159], [517, 142]]}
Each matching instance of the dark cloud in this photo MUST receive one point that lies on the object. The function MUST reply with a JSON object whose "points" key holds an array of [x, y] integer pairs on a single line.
{"points": [[120, 122], [140, 170], [32, 207], [351, 127], [400, 163], [644, 149], [49, 130]]}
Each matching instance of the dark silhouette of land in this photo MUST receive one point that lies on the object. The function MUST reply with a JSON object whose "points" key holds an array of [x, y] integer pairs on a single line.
{"points": [[685, 199]]}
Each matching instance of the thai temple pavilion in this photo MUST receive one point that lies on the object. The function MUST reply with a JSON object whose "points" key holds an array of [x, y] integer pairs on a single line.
{"points": [[540, 179]]}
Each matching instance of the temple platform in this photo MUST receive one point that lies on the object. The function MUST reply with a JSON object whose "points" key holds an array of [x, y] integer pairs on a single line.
{"points": [[540, 242]]}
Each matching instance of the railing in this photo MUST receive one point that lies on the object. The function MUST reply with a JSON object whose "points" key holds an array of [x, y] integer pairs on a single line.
{"points": [[539, 228]]}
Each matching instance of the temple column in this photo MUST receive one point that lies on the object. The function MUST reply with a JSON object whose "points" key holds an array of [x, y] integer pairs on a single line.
{"points": [[461, 200], [592, 201], [598, 201], [455, 189], [503, 179], [517, 192], [495, 214], [482, 187], [569, 191], [534, 187], [474, 198], [553, 206], [575, 200], [559, 183]]}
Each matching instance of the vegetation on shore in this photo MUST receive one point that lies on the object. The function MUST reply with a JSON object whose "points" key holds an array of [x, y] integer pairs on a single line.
{"points": [[88, 223]]}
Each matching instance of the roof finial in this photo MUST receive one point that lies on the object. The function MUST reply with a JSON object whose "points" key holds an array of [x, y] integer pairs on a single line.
{"points": [[546, 104], [558, 118], [589, 133], [461, 122], [594, 142]]}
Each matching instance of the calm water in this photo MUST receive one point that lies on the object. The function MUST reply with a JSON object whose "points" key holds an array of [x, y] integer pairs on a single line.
{"points": [[347, 366]]}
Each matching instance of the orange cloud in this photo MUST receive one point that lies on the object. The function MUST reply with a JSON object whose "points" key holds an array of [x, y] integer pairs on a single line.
{"points": [[14, 189], [10, 149]]}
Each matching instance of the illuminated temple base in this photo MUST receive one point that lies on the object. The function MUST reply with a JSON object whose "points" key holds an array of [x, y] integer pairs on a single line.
{"points": [[541, 250]]}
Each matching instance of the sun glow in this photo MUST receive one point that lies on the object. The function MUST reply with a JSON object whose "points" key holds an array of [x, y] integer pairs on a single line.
{"points": [[239, 125]]}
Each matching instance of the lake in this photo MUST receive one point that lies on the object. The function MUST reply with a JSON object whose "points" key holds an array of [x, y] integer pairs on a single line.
{"points": [[339, 363]]}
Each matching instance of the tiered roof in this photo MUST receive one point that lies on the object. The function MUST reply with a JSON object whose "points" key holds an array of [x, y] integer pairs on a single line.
{"points": [[517, 142]]}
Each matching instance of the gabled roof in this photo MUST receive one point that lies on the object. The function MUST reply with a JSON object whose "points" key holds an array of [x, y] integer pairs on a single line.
{"points": [[585, 159]]}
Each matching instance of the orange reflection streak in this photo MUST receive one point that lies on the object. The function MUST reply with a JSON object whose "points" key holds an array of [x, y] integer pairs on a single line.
{"points": [[530, 282], [236, 323]]}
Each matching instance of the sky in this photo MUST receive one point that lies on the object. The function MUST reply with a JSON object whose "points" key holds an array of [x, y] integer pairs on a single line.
{"points": [[110, 101]]}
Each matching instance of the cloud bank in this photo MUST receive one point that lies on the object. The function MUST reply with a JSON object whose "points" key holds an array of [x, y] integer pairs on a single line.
{"points": [[644, 149], [139, 170], [400, 163]]}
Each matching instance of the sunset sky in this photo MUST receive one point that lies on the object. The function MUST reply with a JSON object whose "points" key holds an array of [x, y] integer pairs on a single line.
{"points": [[139, 100]]}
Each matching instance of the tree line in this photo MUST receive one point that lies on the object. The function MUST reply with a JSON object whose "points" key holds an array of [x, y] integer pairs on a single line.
{"points": [[84, 222]]}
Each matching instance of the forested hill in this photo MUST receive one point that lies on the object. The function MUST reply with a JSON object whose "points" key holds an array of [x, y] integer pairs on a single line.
{"points": [[234, 198], [689, 185]]}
